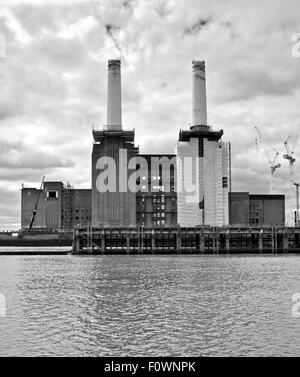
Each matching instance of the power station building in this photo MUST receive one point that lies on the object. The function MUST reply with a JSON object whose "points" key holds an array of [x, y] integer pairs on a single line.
{"points": [[189, 188], [204, 197]]}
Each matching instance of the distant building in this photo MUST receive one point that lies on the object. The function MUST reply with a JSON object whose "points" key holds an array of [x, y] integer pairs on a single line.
{"points": [[189, 188], [256, 210], [59, 207]]}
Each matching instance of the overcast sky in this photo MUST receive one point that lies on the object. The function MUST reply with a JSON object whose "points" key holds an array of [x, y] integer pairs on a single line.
{"points": [[53, 83]]}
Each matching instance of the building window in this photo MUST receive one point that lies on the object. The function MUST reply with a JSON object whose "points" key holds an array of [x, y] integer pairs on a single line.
{"points": [[200, 147], [52, 194]]}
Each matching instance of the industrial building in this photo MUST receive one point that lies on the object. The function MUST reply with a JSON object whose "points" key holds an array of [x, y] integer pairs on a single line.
{"points": [[256, 210], [59, 206], [189, 188]]}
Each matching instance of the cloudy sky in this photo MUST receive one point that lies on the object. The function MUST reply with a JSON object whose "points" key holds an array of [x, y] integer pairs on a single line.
{"points": [[53, 83]]}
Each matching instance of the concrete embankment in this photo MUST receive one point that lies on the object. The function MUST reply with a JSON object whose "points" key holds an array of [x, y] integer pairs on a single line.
{"points": [[11, 250]]}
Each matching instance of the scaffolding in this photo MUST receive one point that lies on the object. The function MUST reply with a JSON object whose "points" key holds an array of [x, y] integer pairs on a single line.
{"points": [[67, 207]]}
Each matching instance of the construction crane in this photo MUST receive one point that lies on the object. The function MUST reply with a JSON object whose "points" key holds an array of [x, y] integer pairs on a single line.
{"points": [[297, 223], [36, 204], [272, 162], [289, 156]]}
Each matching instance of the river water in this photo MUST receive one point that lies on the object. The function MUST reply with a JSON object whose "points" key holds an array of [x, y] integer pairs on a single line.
{"points": [[149, 306]]}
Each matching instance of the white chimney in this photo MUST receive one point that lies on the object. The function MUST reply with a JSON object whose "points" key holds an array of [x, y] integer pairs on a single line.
{"points": [[199, 111], [114, 100]]}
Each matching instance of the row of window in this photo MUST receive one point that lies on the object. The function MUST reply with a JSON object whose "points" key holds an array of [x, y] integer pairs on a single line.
{"points": [[159, 188], [224, 182], [156, 215], [158, 199], [76, 218], [253, 213], [156, 223], [159, 222], [78, 210], [158, 206]]}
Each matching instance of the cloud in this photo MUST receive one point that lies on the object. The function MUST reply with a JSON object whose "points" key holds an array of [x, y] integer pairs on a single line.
{"points": [[53, 83]]}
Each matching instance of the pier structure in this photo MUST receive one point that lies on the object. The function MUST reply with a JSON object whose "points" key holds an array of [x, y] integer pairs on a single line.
{"points": [[185, 240]]}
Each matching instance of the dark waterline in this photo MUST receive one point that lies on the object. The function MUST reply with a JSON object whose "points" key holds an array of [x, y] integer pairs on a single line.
{"points": [[149, 305]]}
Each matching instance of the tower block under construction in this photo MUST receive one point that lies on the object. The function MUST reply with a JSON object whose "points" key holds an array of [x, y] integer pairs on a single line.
{"points": [[202, 164]]}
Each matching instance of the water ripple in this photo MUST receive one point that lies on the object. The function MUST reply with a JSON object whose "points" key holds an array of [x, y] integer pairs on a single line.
{"points": [[149, 306]]}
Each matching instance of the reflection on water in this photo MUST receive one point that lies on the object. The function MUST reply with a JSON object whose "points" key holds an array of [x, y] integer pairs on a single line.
{"points": [[149, 306]]}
